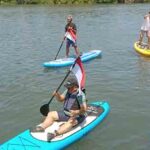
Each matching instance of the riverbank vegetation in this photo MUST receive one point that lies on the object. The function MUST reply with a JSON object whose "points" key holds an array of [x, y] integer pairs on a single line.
{"points": [[69, 2]]}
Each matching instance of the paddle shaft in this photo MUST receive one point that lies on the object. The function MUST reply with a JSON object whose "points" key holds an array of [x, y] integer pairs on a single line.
{"points": [[60, 48], [63, 81], [59, 86]]}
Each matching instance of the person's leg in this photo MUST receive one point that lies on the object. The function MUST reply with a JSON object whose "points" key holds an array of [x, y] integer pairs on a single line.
{"points": [[66, 126], [141, 37], [148, 41], [51, 117], [67, 47], [77, 51], [76, 48], [63, 128], [69, 124]]}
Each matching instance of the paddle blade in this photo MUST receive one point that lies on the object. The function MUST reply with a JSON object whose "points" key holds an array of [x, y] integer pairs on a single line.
{"points": [[44, 109]]}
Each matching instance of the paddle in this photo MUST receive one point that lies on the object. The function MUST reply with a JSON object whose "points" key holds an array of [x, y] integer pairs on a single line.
{"points": [[45, 108], [60, 46]]}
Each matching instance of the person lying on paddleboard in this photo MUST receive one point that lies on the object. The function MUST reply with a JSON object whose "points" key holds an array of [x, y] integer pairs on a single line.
{"points": [[145, 29], [71, 32], [73, 113]]}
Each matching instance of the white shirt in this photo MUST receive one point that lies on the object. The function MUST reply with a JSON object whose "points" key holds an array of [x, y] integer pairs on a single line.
{"points": [[146, 24]]}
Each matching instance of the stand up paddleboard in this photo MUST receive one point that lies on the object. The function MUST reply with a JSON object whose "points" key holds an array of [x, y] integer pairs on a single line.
{"points": [[142, 49], [69, 61], [96, 113]]}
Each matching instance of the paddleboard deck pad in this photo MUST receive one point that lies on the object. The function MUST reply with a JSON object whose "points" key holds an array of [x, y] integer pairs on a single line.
{"points": [[70, 60], [142, 49], [27, 140]]}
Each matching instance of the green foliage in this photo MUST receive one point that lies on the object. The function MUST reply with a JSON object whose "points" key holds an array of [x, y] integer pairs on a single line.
{"points": [[68, 2], [106, 1]]}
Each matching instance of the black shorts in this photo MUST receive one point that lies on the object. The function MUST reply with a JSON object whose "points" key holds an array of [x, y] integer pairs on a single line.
{"points": [[63, 117], [69, 42]]}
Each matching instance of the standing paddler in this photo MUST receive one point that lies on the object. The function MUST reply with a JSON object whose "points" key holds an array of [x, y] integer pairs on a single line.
{"points": [[71, 36]]}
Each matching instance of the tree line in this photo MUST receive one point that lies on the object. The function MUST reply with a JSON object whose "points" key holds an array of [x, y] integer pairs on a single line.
{"points": [[70, 2]]}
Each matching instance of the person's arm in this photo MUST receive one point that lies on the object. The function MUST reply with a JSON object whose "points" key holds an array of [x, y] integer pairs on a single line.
{"points": [[72, 27], [81, 111], [66, 28], [59, 97]]}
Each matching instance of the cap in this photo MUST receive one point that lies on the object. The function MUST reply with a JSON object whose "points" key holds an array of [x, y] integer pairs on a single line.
{"points": [[72, 81]]}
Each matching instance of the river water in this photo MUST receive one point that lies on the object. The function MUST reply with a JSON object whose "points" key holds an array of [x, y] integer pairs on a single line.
{"points": [[31, 35]]}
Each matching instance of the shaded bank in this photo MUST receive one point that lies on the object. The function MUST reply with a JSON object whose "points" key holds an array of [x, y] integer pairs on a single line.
{"points": [[70, 2]]}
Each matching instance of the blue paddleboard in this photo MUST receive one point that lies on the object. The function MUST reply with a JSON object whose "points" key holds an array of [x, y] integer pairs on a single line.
{"points": [[26, 140], [70, 60]]}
